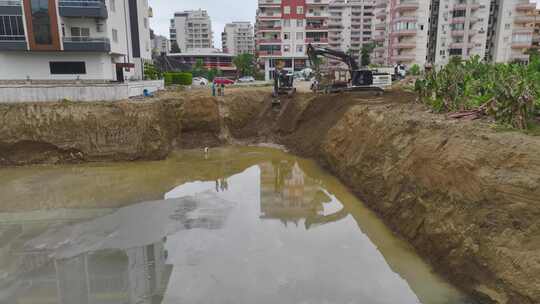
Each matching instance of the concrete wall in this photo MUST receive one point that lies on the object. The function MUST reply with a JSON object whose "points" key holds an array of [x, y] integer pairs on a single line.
{"points": [[19, 65], [76, 92]]}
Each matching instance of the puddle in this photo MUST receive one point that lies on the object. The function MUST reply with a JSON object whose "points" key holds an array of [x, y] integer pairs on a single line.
{"points": [[240, 225]]}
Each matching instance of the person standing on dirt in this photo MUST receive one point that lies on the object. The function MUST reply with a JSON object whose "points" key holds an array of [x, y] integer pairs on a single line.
{"points": [[222, 89], [218, 90], [213, 88]]}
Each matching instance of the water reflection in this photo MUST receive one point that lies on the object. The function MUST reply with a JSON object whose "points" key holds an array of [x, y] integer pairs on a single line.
{"points": [[271, 229]]}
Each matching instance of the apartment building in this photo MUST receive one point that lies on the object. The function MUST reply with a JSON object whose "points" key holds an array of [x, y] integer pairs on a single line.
{"points": [[192, 30], [160, 45], [513, 25], [401, 31], [67, 40], [285, 27], [350, 25], [238, 38], [430, 32]]}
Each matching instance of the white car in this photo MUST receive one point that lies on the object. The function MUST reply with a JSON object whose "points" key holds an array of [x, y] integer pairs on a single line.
{"points": [[246, 79], [200, 81]]}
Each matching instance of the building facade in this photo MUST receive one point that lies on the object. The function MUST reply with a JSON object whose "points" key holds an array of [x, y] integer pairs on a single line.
{"points": [[430, 32], [285, 27], [191, 30], [237, 38], [161, 45], [67, 40], [210, 58]]}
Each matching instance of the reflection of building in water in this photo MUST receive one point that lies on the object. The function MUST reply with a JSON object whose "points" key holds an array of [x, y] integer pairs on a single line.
{"points": [[288, 194], [136, 275]]}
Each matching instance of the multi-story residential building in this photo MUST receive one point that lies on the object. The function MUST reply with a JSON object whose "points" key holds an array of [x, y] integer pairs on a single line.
{"points": [[350, 24], [462, 30], [430, 32], [160, 45], [210, 58], [285, 27], [237, 38], [514, 29], [67, 40], [401, 31], [191, 30]]}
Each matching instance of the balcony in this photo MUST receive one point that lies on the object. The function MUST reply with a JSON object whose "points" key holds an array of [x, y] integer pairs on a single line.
{"points": [[268, 41], [521, 45], [379, 38], [379, 49], [380, 15], [457, 33], [526, 7], [520, 57], [269, 29], [317, 2], [86, 44], [269, 53], [79, 8], [404, 32], [317, 40], [525, 31], [381, 3], [525, 19], [458, 45], [380, 26], [463, 6], [403, 58], [317, 15], [13, 43], [10, 7], [269, 16], [404, 45], [269, 3], [407, 6], [315, 28], [405, 19]]}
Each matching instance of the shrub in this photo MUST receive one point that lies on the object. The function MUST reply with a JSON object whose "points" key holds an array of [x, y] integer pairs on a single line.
{"points": [[150, 72], [178, 78], [414, 70], [508, 92]]}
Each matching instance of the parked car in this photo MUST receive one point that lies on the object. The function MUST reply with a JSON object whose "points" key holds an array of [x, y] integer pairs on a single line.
{"points": [[200, 81], [223, 80], [246, 79]]}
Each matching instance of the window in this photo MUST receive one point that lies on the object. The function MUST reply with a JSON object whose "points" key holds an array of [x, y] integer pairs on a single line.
{"points": [[455, 52], [115, 35], [299, 48], [287, 23], [299, 22], [286, 48], [507, 26], [145, 22], [112, 5], [12, 28], [286, 9], [41, 21], [80, 32], [286, 36], [299, 36], [458, 13], [67, 67], [300, 10]]}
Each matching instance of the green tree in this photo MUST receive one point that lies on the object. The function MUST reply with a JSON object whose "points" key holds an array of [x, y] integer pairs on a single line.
{"points": [[365, 53], [199, 70], [245, 65], [174, 48]]}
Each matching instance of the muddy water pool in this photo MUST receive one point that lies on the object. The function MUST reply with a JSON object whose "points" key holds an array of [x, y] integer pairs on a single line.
{"points": [[239, 225]]}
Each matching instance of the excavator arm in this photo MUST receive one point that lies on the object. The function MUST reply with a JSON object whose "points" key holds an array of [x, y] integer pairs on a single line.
{"points": [[314, 52]]}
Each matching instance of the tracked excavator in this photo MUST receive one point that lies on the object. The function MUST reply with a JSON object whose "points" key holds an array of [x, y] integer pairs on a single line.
{"points": [[360, 79]]}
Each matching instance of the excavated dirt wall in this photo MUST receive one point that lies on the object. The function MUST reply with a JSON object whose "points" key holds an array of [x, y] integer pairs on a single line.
{"points": [[467, 197]]}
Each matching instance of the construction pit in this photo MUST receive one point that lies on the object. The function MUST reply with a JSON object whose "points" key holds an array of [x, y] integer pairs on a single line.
{"points": [[339, 198]]}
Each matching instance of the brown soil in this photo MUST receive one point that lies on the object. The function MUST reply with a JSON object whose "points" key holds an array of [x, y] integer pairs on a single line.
{"points": [[466, 196]]}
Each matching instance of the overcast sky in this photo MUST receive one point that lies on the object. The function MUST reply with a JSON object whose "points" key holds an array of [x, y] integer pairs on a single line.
{"points": [[220, 11]]}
